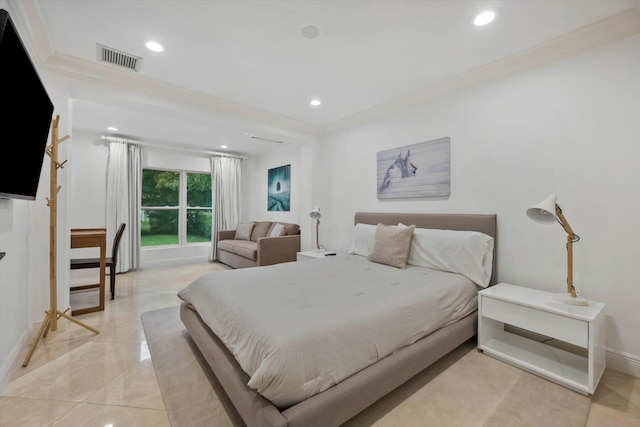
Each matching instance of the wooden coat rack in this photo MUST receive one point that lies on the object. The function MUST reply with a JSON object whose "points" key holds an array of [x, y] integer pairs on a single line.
{"points": [[50, 321]]}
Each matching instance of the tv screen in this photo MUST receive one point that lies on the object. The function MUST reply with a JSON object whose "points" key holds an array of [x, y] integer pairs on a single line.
{"points": [[25, 116]]}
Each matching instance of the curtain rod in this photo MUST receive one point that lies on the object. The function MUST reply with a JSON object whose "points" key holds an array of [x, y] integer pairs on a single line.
{"points": [[215, 153]]}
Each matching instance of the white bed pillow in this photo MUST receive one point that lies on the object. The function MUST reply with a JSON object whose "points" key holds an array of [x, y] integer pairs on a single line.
{"points": [[364, 236], [469, 253]]}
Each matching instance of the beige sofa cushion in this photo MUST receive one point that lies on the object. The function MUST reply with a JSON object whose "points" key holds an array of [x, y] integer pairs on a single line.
{"points": [[244, 248], [226, 245], [243, 230], [260, 229]]}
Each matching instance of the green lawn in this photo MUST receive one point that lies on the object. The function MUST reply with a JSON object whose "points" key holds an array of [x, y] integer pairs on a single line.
{"points": [[158, 240], [168, 239], [148, 239]]}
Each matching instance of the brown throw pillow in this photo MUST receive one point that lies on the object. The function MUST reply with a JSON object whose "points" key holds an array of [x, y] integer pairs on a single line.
{"points": [[292, 229], [260, 229], [392, 245], [243, 230]]}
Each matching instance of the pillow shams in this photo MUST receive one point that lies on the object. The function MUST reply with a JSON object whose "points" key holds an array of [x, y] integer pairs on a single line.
{"points": [[391, 245], [469, 253], [363, 239], [243, 231]]}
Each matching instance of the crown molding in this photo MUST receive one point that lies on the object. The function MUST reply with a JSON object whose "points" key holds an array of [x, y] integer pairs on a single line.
{"points": [[617, 27], [128, 80], [27, 17]]}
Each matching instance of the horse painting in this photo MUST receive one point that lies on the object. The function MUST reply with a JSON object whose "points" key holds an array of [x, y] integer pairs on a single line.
{"points": [[400, 168], [417, 170]]}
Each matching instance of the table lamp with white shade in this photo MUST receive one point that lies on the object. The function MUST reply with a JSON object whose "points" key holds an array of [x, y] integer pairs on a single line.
{"points": [[548, 212], [315, 214]]}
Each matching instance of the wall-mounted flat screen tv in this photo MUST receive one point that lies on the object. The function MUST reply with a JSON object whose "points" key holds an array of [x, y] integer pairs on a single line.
{"points": [[25, 116]]}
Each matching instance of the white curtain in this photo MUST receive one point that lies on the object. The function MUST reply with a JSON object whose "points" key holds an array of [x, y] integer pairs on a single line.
{"points": [[226, 197], [124, 183]]}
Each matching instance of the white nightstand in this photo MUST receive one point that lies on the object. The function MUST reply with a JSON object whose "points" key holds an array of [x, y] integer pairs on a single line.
{"points": [[535, 311], [307, 255]]}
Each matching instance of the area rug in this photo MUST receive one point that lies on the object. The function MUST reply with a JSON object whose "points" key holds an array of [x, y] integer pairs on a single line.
{"points": [[465, 388]]}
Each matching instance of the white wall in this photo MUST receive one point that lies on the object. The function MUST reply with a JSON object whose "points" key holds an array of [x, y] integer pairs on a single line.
{"points": [[24, 236], [89, 156], [14, 284], [569, 128], [87, 165], [254, 189]]}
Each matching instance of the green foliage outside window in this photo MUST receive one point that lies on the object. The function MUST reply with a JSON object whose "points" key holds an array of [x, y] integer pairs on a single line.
{"points": [[199, 226], [198, 189], [198, 195], [161, 207], [160, 188]]}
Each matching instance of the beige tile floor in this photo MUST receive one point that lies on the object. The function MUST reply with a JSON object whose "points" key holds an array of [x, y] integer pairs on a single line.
{"points": [[77, 378]]}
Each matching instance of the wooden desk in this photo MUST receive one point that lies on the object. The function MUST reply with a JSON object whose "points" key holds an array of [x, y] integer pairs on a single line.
{"points": [[91, 238]]}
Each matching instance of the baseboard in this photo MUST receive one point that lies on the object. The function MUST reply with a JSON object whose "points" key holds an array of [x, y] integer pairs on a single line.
{"points": [[14, 361], [623, 362]]}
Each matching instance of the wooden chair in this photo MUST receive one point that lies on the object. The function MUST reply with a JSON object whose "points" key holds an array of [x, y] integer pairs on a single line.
{"points": [[110, 262]]}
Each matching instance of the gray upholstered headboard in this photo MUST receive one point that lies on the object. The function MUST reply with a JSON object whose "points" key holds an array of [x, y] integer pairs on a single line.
{"points": [[484, 223]]}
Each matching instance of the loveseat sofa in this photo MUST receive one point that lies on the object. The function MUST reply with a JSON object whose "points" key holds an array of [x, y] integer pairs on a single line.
{"points": [[258, 243]]}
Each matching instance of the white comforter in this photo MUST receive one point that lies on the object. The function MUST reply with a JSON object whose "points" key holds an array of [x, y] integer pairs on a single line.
{"points": [[298, 328]]}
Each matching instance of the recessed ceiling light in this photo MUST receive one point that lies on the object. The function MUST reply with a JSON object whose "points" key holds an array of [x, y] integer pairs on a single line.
{"points": [[113, 129], [483, 18], [315, 102], [223, 146], [310, 31], [154, 46]]}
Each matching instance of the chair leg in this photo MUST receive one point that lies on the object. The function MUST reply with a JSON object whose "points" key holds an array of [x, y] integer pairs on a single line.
{"points": [[112, 279]]}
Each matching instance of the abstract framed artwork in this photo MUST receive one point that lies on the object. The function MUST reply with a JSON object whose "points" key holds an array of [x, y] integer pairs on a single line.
{"points": [[279, 188], [416, 170]]}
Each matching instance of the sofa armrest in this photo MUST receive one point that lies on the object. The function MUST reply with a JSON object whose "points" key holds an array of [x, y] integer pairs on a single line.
{"points": [[226, 235], [274, 250]]}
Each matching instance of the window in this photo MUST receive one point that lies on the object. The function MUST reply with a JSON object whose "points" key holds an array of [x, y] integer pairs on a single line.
{"points": [[198, 208], [176, 208]]}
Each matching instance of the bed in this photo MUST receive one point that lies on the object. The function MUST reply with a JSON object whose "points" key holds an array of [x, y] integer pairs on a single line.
{"points": [[292, 348]]}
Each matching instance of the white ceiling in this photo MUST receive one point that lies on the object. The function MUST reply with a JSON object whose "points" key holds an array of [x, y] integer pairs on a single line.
{"points": [[243, 67]]}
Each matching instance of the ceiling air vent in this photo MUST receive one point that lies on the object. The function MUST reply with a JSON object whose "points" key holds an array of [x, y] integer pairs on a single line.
{"points": [[116, 57]]}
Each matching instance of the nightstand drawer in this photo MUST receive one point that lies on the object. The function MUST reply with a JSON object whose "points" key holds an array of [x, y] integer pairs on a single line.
{"points": [[560, 327]]}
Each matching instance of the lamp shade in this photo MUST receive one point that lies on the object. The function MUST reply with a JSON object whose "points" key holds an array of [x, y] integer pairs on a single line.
{"points": [[315, 213], [545, 211]]}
